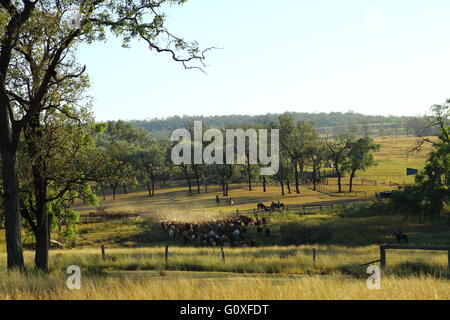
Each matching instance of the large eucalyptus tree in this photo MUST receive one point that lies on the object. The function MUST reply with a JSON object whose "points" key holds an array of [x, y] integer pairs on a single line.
{"points": [[46, 57]]}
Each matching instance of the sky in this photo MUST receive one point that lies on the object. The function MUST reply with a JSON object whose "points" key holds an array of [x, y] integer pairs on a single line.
{"points": [[373, 57]]}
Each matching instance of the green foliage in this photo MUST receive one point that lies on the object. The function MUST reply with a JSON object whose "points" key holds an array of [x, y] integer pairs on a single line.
{"points": [[64, 219], [430, 195], [359, 157]]}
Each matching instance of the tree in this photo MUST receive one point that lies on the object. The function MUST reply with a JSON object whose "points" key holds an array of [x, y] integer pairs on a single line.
{"points": [[63, 219], [296, 137], [284, 172], [360, 157], [418, 127], [148, 161], [43, 21], [338, 148], [224, 174], [57, 153], [53, 137], [289, 141], [12, 20], [431, 192], [199, 170], [317, 155], [119, 171]]}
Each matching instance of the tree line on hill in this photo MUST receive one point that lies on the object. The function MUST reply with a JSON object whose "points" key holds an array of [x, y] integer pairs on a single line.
{"points": [[335, 122]]}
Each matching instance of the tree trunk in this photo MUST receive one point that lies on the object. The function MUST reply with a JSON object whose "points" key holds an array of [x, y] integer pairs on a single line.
{"points": [[249, 172], [338, 173], [288, 184], [315, 177], [297, 189], [282, 187], [42, 246], [114, 191], [186, 173], [12, 210], [189, 183], [264, 183], [42, 230], [103, 192], [198, 183], [352, 175], [197, 178]]}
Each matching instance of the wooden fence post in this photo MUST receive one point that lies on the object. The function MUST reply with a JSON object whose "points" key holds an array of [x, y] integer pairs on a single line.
{"points": [[382, 257], [167, 256], [223, 254], [314, 257], [103, 252]]}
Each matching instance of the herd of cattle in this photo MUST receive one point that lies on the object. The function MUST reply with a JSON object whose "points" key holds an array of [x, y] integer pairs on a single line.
{"points": [[226, 232]]}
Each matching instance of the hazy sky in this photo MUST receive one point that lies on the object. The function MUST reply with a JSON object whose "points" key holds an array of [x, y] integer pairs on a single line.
{"points": [[373, 57]]}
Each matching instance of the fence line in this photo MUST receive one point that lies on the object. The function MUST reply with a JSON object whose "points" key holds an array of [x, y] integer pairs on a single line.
{"points": [[383, 249]]}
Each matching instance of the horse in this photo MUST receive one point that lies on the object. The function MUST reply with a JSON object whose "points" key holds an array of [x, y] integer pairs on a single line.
{"points": [[245, 220], [400, 236], [262, 206], [279, 205]]}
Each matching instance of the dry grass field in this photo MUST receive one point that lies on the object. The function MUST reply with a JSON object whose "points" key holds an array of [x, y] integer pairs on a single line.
{"points": [[261, 273], [235, 287]]}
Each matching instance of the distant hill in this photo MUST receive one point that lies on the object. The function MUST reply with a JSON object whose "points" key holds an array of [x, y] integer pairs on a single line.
{"points": [[325, 122]]}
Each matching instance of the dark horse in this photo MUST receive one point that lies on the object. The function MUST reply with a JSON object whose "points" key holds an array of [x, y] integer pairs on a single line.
{"points": [[278, 205], [400, 236], [262, 206]]}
